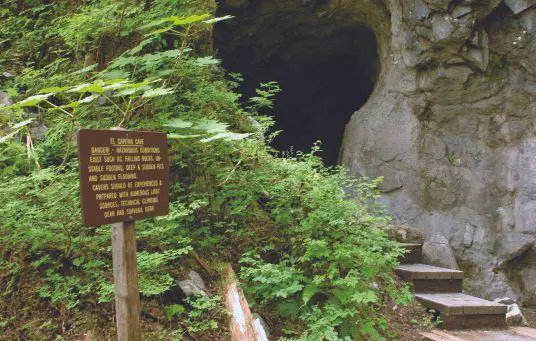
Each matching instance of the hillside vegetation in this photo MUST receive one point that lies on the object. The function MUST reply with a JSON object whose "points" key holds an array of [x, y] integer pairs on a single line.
{"points": [[309, 243]]}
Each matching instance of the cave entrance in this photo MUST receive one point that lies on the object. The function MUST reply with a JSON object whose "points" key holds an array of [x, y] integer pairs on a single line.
{"points": [[327, 69]]}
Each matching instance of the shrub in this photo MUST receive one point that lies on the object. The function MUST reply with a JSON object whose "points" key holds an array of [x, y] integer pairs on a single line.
{"points": [[332, 262]]}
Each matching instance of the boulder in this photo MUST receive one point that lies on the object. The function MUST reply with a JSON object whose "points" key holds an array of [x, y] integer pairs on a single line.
{"points": [[518, 6], [407, 234], [505, 301], [528, 20], [477, 55], [38, 130], [193, 284], [442, 27], [4, 99], [514, 316], [460, 11], [437, 251]]}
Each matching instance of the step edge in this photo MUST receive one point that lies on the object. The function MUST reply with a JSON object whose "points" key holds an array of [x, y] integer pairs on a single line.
{"points": [[436, 335], [490, 309], [439, 273], [409, 244]]}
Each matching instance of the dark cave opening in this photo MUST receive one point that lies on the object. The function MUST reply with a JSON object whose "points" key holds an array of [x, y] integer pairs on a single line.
{"points": [[326, 72]]}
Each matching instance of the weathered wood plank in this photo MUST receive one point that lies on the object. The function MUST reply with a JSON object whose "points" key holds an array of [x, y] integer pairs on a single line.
{"points": [[476, 321], [423, 271], [437, 285], [458, 303], [512, 334], [449, 336], [127, 296], [413, 254], [531, 332], [432, 337], [438, 335]]}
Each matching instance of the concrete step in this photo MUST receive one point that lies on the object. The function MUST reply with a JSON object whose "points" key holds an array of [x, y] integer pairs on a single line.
{"points": [[413, 254], [460, 311], [510, 334], [431, 279]]}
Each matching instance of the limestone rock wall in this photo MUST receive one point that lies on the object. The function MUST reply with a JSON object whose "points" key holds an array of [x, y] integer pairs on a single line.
{"points": [[451, 126], [451, 123]]}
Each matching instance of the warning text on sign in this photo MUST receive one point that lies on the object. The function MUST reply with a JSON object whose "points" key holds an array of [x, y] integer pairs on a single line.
{"points": [[124, 175]]}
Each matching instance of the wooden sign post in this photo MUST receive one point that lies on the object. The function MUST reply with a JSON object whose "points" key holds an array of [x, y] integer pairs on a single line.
{"points": [[124, 176], [127, 295]]}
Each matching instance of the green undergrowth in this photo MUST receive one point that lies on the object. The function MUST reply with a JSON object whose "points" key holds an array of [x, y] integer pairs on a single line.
{"points": [[309, 243]]}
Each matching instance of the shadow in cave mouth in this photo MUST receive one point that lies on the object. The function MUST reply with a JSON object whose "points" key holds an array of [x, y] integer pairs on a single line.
{"points": [[326, 71]]}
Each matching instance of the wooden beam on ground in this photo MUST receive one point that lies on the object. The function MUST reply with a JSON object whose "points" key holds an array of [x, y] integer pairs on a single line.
{"points": [[243, 326]]}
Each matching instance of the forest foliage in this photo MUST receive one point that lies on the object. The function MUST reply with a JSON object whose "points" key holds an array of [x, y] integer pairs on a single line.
{"points": [[310, 243]]}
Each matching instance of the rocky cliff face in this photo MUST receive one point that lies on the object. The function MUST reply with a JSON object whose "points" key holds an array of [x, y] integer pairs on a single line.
{"points": [[452, 128], [451, 123]]}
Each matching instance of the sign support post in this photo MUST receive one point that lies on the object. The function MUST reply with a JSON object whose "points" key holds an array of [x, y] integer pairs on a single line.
{"points": [[127, 296], [124, 176]]}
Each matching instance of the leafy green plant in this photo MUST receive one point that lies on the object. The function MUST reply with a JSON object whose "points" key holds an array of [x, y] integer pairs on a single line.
{"points": [[337, 246], [174, 310], [154, 279], [200, 314], [309, 242], [204, 314]]}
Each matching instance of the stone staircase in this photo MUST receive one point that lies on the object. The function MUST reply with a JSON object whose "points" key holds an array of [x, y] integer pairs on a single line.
{"points": [[441, 289], [465, 317]]}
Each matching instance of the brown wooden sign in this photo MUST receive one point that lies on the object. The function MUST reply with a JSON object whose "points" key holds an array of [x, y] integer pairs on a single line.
{"points": [[124, 175]]}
